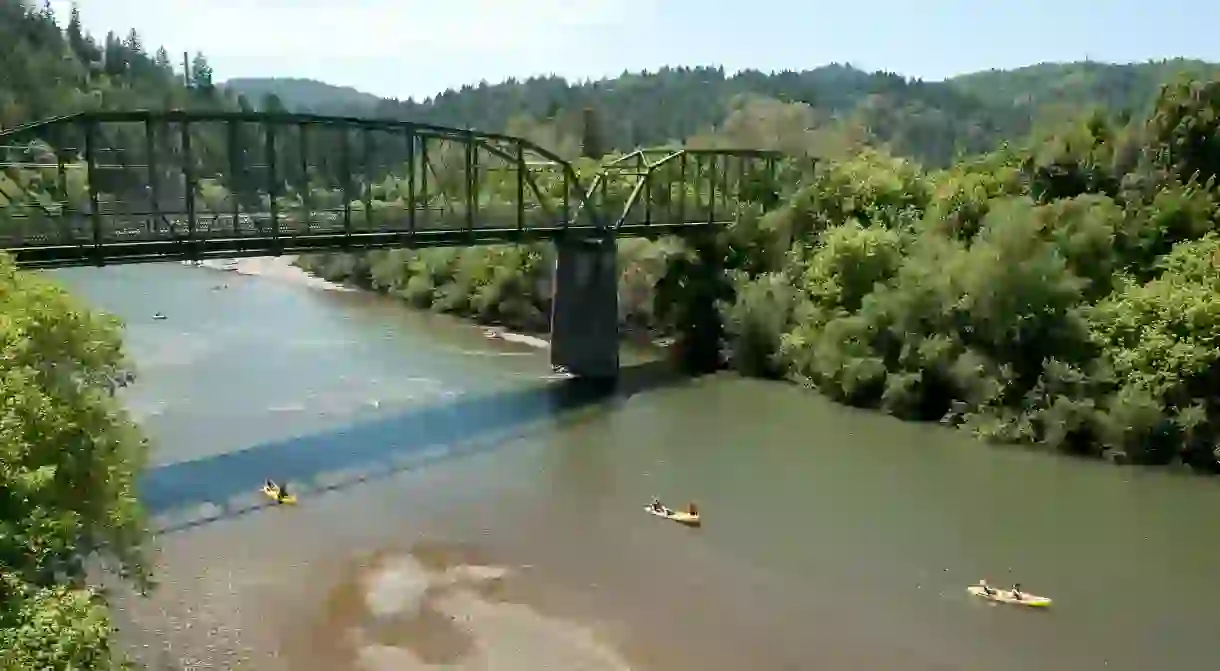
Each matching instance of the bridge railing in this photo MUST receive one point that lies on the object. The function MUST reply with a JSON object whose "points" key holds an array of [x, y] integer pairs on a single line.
{"points": [[104, 186], [99, 179]]}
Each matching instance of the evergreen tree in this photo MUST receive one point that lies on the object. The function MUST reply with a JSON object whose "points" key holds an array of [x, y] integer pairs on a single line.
{"points": [[133, 44], [161, 60], [201, 74], [115, 62]]}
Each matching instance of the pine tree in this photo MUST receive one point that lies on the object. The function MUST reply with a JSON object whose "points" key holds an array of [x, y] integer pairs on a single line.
{"points": [[115, 62], [162, 60], [76, 39], [201, 74], [133, 44]]}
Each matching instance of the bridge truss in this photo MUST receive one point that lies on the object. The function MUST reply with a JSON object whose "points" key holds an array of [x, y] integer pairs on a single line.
{"points": [[113, 187]]}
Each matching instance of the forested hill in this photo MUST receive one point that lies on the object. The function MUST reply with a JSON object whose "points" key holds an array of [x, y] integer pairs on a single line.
{"points": [[303, 94], [932, 121], [1082, 84], [49, 69]]}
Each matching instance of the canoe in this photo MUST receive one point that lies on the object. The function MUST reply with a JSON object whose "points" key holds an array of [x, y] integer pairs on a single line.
{"points": [[676, 516], [273, 493], [1005, 596]]}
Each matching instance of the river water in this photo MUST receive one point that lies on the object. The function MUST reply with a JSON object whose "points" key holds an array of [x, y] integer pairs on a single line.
{"points": [[833, 539]]}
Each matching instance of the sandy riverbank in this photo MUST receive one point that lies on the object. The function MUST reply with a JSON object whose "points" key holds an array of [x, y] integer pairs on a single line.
{"points": [[281, 268]]}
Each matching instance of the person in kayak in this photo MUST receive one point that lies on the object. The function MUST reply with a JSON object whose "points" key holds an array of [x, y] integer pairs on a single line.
{"points": [[987, 589], [1016, 591], [656, 505], [281, 490]]}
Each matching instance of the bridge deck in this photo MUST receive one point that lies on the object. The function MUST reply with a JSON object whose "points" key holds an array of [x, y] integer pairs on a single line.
{"points": [[114, 187]]}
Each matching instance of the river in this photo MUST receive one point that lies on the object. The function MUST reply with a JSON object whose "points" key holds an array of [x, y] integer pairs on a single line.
{"points": [[834, 539]]}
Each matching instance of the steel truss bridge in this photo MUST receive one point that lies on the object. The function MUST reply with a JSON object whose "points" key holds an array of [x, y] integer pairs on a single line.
{"points": [[98, 188]]}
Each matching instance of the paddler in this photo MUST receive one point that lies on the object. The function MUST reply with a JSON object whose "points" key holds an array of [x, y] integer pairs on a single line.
{"points": [[656, 505], [986, 588], [1016, 591], [281, 491]]}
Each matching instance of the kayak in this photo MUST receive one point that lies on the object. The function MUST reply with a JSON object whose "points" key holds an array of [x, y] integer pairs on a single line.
{"points": [[273, 493], [1005, 596], [676, 516]]}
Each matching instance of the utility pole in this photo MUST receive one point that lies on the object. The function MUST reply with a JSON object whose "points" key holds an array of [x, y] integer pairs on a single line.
{"points": [[186, 68]]}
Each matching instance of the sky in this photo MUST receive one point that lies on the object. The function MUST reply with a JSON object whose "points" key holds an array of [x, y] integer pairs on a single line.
{"points": [[416, 48]]}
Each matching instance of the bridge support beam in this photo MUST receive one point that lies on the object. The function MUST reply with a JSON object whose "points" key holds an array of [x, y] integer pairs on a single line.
{"points": [[584, 309]]}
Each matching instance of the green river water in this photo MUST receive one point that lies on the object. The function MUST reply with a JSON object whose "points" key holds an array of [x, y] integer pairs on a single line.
{"points": [[834, 539]]}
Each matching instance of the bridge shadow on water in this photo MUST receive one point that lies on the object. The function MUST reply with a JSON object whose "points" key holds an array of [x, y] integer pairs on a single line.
{"points": [[191, 493]]}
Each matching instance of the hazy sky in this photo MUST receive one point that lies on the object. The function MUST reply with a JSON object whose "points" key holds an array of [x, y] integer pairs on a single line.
{"points": [[407, 48]]}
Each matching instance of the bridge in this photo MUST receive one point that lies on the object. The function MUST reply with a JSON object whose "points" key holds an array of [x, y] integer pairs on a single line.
{"points": [[99, 188]]}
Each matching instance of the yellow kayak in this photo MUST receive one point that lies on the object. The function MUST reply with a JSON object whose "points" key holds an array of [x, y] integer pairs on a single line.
{"points": [[1006, 596], [273, 493], [676, 516]]}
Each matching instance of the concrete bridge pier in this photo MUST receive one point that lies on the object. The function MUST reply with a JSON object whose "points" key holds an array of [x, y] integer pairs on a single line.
{"points": [[584, 309]]}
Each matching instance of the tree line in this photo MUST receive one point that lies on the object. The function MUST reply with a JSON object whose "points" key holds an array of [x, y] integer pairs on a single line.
{"points": [[1055, 290]]}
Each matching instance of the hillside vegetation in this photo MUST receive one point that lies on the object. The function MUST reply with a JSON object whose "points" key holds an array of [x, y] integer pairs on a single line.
{"points": [[930, 121]]}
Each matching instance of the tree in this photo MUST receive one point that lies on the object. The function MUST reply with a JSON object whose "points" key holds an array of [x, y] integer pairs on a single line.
{"points": [[69, 458], [76, 38], [133, 43], [1184, 126], [115, 56], [161, 60], [201, 74], [272, 104]]}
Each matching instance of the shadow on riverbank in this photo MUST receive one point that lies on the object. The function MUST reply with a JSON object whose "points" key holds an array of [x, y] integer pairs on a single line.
{"points": [[191, 493]]}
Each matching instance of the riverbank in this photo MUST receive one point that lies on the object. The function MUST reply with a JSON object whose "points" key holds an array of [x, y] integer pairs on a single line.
{"points": [[278, 268], [285, 269]]}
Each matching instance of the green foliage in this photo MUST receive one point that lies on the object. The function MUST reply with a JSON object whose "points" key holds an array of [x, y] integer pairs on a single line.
{"points": [[1061, 293], [54, 627], [828, 112], [1033, 302], [47, 71], [69, 458], [1185, 130]]}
